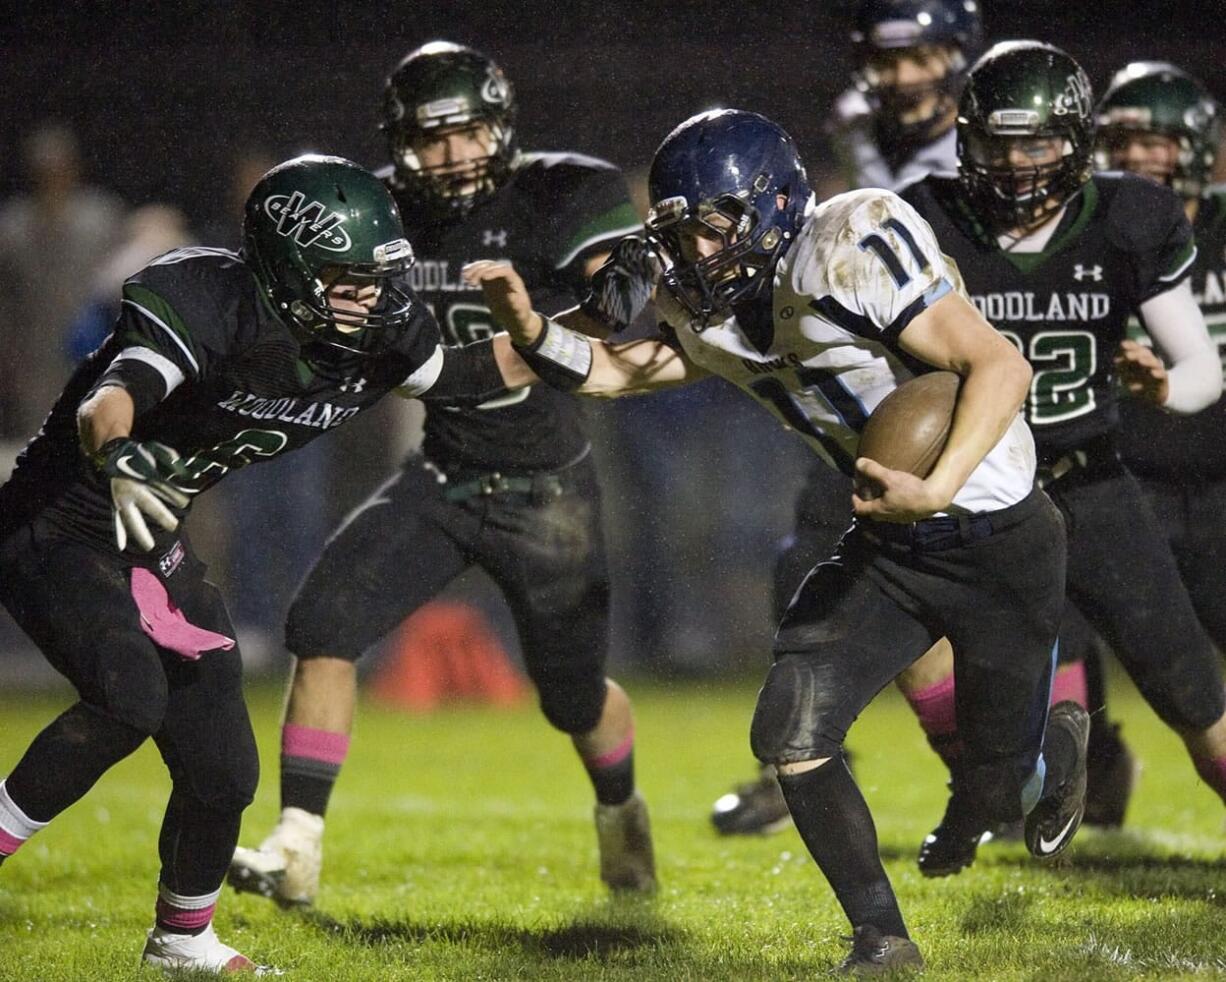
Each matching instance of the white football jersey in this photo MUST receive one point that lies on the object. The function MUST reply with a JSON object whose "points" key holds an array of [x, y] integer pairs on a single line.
{"points": [[862, 267]]}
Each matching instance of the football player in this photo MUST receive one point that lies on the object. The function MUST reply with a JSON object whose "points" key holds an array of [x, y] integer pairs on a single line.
{"points": [[508, 485], [1058, 260], [1156, 121], [819, 312], [895, 124], [218, 360]]}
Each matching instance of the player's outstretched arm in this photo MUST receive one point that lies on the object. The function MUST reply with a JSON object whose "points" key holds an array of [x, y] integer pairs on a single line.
{"points": [[951, 334], [558, 350]]}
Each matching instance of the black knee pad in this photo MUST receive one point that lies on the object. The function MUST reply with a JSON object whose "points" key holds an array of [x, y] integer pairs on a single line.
{"points": [[572, 705], [225, 779], [790, 722], [131, 686]]}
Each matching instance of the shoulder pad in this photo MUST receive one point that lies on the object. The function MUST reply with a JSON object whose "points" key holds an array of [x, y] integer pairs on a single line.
{"points": [[1139, 213], [540, 160]]}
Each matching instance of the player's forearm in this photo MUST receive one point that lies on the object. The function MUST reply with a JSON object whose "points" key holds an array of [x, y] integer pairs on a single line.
{"points": [[1194, 383], [105, 415], [991, 394], [1177, 325]]}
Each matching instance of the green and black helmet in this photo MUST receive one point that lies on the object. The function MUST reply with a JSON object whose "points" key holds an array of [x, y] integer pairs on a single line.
{"points": [[442, 86], [314, 220], [1023, 89], [1156, 97]]}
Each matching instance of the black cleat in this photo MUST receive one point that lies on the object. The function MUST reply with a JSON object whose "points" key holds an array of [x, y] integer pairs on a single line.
{"points": [[874, 953], [1054, 821], [1111, 772], [755, 808], [950, 847]]}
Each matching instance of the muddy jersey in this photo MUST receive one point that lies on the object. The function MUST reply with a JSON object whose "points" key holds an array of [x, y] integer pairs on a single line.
{"points": [[555, 211], [239, 389], [1121, 241], [1164, 445], [863, 266]]}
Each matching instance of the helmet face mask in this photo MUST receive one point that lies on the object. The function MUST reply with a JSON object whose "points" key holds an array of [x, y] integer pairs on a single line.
{"points": [[728, 196], [911, 58], [438, 91], [1156, 120], [315, 222], [1025, 134]]}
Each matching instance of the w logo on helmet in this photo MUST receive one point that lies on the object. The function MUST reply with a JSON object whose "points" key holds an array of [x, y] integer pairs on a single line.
{"points": [[495, 90], [308, 223], [1075, 99]]}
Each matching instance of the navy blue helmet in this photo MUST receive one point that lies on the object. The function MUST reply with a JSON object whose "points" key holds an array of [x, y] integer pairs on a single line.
{"points": [[948, 30], [729, 176]]}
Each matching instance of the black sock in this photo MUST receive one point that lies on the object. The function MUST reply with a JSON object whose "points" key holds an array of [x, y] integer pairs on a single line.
{"points": [[613, 783], [67, 758], [196, 845], [834, 822], [308, 791]]}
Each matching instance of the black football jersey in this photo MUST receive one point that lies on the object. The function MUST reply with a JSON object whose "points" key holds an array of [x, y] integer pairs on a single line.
{"points": [[554, 212], [248, 391], [1163, 445], [1121, 241]]}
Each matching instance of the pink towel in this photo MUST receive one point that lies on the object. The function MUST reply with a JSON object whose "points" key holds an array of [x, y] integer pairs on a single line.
{"points": [[165, 623]]}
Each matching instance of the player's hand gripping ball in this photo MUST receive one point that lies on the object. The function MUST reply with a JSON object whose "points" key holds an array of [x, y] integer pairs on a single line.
{"points": [[908, 429]]}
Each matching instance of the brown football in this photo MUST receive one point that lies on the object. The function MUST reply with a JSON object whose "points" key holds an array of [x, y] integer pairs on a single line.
{"points": [[908, 429]]}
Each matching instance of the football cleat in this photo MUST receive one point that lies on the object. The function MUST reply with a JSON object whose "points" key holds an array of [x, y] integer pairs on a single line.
{"points": [[754, 808], [1054, 821], [1111, 772], [201, 952], [623, 833], [874, 953], [286, 866], [951, 846]]}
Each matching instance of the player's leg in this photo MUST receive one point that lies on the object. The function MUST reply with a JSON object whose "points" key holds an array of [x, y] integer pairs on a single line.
{"points": [[1111, 768], [390, 556], [823, 514], [993, 584], [545, 550], [123, 680], [209, 749], [1124, 578], [841, 641]]}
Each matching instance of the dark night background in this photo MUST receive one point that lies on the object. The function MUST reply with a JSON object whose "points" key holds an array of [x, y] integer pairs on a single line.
{"points": [[164, 94]]}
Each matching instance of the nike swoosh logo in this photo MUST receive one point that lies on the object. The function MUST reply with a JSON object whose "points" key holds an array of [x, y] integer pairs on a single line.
{"points": [[1048, 846], [122, 465]]}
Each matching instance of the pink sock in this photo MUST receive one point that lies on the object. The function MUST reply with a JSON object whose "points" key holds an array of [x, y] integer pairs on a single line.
{"points": [[185, 915], [311, 744], [1212, 771], [938, 717], [615, 756], [1070, 684]]}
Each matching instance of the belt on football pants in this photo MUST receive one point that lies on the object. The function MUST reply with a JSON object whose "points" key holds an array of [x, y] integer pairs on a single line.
{"points": [[540, 487], [943, 532]]}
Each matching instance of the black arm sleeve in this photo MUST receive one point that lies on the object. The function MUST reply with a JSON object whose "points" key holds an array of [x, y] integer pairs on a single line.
{"points": [[142, 382], [469, 376]]}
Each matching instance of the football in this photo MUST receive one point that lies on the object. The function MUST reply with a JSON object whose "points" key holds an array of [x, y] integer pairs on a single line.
{"points": [[908, 429]]}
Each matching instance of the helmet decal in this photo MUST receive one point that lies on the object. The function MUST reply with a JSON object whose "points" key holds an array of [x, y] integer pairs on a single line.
{"points": [[308, 224], [1075, 99], [495, 90]]}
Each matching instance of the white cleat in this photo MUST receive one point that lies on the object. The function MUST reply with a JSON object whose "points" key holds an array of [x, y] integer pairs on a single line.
{"points": [[201, 952], [286, 866], [623, 832]]}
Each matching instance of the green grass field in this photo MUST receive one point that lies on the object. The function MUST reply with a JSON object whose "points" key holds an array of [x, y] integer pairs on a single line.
{"points": [[460, 846]]}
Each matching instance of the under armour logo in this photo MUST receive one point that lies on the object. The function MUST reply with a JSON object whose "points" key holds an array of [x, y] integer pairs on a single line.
{"points": [[353, 385], [1080, 272], [491, 238]]}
